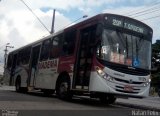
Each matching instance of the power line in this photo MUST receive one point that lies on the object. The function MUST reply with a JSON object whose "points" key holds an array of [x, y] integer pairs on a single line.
{"points": [[148, 9], [84, 16], [153, 8], [140, 9], [35, 15], [147, 12], [151, 18]]}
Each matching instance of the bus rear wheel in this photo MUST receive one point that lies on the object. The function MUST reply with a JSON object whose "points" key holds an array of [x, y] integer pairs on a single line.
{"points": [[63, 89], [110, 99]]}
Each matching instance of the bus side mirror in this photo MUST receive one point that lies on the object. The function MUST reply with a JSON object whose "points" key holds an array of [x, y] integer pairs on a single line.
{"points": [[99, 30]]}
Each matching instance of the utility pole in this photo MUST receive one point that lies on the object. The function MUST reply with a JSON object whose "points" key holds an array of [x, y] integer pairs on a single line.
{"points": [[5, 54], [5, 61], [53, 20]]}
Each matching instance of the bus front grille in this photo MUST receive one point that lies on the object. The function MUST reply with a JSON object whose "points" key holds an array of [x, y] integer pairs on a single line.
{"points": [[122, 89], [127, 81], [127, 91]]}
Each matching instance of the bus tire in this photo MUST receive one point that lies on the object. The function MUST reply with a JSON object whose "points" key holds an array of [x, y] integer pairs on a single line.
{"points": [[110, 99], [63, 88], [18, 85]]}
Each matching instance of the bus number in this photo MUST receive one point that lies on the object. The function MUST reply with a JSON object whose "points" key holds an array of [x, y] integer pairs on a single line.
{"points": [[116, 22]]}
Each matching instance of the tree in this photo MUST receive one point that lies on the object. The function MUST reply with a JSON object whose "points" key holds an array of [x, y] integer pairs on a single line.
{"points": [[156, 65], [156, 55]]}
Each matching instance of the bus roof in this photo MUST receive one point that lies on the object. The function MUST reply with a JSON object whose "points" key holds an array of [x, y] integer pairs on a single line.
{"points": [[94, 18]]}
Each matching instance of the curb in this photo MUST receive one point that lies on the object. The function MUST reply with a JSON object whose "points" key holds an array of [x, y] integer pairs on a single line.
{"points": [[137, 106]]}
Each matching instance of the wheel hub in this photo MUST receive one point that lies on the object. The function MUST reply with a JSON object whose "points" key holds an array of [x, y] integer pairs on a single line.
{"points": [[63, 88]]}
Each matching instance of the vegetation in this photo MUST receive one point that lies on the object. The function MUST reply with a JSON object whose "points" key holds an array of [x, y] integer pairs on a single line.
{"points": [[156, 65]]}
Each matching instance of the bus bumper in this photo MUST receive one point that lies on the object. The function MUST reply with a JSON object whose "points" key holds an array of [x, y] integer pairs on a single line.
{"points": [[100, 85]]}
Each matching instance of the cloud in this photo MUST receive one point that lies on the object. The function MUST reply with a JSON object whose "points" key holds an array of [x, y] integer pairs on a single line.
{"points": [[24, 23], [46, 17], [18, 39], [19, 27]]}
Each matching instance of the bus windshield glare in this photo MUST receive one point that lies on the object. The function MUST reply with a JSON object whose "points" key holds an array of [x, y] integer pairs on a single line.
{"points": [[124, 48]]}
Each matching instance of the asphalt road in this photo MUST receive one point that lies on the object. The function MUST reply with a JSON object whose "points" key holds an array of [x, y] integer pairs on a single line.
{"points": [[37, 104]]}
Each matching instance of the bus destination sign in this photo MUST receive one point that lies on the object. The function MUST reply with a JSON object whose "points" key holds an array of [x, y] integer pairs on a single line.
{"points": [[133, 27], [126, 25]]}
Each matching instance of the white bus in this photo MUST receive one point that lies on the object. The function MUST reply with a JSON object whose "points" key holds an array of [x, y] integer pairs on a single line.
{"points": [[105, 56]]}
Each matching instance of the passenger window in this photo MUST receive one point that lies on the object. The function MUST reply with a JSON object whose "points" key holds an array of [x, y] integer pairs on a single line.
{"points": [[68, 45], [56, 46], [55, 41], [9, 61], [45, 50], [24, 56]]}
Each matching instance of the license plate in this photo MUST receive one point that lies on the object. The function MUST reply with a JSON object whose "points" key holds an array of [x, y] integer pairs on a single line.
{"points": [[128, 88]]}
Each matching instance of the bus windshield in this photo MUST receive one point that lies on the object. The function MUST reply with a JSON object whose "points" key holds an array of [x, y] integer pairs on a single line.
{"points": [[124, 48]]}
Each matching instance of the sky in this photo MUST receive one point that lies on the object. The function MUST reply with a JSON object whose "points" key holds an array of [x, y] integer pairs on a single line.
{"points": [[18, 26]]}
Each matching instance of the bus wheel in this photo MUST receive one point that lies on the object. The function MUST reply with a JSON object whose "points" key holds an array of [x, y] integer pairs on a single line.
{"points": [[107, 99], [18, 85], [63, 89]]}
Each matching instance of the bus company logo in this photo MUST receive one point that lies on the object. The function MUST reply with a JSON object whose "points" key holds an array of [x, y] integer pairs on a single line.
{"points": [[130, 81], [117, 74], [48, 64]]}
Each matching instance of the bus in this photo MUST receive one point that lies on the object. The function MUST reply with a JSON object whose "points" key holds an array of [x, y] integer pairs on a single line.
{"points": [[103, 57]]}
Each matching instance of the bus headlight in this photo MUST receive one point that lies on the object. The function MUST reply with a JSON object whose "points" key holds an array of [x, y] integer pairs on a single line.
{"points": [[147, 83], [149, 80], [100, 72]]}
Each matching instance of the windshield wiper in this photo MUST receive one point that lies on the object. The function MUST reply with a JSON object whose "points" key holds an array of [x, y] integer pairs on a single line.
{"points": [[127, 46], [137, 48], [138, 45], [119, 34]]}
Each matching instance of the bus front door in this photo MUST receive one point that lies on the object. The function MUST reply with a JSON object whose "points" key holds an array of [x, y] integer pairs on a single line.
{"points": [[84, 59], [33, 64]]}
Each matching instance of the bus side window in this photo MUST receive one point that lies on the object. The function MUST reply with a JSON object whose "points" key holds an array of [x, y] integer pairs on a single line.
{"points": [[69, 42], [9, 61], [24, 56], [19, 59], [55, 47], [45, 50]]}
